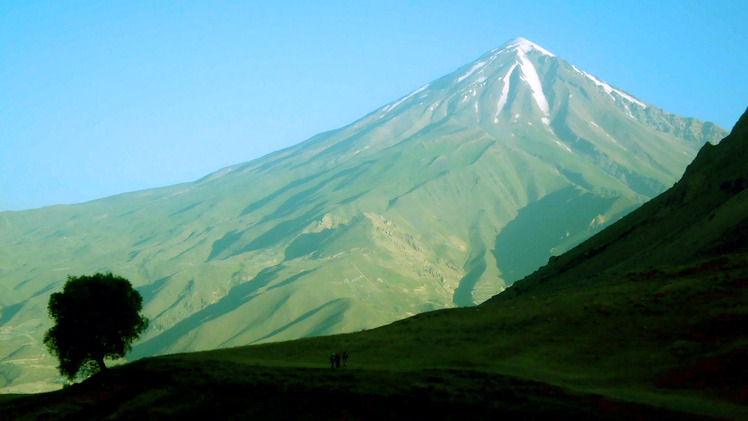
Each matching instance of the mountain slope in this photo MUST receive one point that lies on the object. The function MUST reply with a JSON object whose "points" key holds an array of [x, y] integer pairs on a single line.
{"points": [[667, 342], [704, 215], [439, 199]]}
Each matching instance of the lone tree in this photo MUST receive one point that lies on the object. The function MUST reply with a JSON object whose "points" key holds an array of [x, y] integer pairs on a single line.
{"points": [[96, 317]]}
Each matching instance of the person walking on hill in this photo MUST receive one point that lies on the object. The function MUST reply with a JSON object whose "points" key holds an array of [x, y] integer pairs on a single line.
{"points": [[345, 358], [337, 360], [332, 361]]}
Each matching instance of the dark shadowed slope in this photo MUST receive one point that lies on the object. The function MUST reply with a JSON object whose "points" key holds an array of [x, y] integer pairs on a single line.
{"points": [[704, 215]]}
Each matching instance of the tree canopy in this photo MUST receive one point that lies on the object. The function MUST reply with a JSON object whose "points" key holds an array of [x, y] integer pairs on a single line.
{"points": [[96, 317]]}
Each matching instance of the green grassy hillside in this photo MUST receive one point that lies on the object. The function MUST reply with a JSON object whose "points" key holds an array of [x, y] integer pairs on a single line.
{"points": [[659, 344]]}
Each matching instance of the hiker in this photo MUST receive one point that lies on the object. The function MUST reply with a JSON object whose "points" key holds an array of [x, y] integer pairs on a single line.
{"points": [[332, 361], [337, 360], [345, 358]]}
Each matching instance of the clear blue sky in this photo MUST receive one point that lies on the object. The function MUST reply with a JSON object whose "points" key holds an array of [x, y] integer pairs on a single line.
{"points": [[104, 97]]}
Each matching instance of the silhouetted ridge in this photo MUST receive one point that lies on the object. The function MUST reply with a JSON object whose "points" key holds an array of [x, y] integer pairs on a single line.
{"points": [[702, 216]]}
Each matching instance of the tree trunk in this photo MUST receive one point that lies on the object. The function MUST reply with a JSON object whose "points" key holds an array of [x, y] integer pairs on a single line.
{"points": [[102, 366]]}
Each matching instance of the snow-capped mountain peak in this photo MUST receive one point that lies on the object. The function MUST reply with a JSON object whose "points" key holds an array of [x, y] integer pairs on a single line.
{"points": [[520, 78], [523, 45]]}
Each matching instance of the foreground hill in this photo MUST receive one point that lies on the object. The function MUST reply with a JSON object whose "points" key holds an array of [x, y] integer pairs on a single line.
{"points": [[439, 199], [641, 350], [664, 342]]}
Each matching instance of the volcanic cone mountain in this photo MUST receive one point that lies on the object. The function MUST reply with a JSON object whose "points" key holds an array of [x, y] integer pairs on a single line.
{"points": [[438, 199]]}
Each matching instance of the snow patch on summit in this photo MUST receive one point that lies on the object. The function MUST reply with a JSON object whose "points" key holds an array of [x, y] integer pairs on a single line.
{"points": [[411, 95], [609, 89], [471, 71], [523, 46], [504, 93], [530, 76]]}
